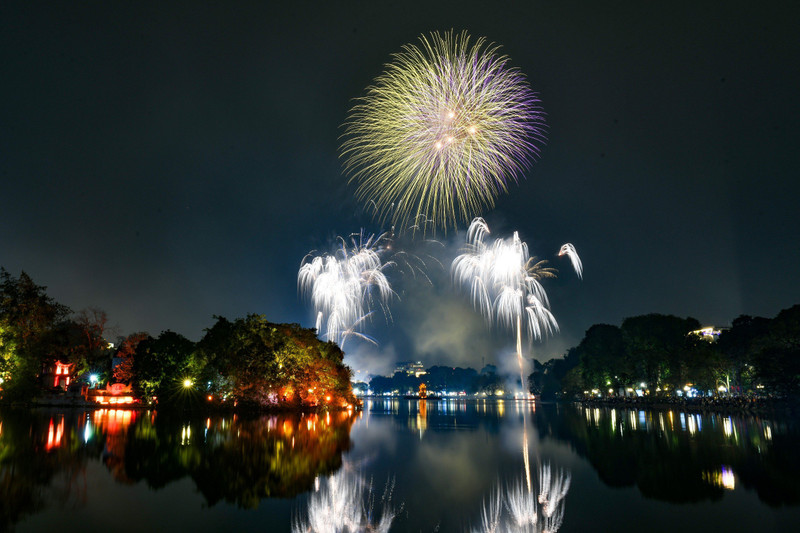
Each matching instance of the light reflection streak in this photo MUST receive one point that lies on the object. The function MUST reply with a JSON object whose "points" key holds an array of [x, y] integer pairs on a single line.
{"points": [[724, 477], [727, 426]]}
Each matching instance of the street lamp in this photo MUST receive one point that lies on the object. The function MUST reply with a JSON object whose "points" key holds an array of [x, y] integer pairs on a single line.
{"points": [[93, 379], [187, 383]]}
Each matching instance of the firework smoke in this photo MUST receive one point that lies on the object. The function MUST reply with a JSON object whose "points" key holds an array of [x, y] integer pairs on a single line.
{"points": [[444, 130]]}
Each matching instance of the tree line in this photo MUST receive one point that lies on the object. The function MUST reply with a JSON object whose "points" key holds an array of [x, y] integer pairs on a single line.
{"points": [[755, 355], [439, 379], [247, 361]]}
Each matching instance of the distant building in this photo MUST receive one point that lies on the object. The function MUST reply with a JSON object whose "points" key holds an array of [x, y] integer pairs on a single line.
{"points": [[411, 368], [710, 333]]}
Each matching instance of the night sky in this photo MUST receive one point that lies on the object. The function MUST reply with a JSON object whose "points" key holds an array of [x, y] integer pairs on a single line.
{"points": [[168, 163]]}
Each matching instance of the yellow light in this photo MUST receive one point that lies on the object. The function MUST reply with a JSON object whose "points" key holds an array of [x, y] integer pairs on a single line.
{"points": [[187, 383]]}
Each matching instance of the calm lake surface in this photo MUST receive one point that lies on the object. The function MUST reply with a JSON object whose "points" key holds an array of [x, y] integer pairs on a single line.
{"points": [[421, 466]]}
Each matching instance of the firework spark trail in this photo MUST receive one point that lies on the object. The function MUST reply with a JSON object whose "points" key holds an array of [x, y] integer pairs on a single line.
{"points": [[503, 282], [346, 285], [569, 250], [445, 129]]}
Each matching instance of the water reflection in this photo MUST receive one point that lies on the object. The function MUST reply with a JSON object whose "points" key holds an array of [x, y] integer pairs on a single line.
{"points": [[520, 509], [532, 509], [680, 456], [346, 503], [44, 455]]}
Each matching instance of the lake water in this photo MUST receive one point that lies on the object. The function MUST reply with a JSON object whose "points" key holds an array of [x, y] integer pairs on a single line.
{"points": [[419, 466]]}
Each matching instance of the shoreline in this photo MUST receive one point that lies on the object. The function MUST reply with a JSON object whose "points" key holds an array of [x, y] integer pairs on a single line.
{"points": [[739, 405]]}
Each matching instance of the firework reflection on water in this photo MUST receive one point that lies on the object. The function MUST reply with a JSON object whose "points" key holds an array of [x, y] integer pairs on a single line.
{"points": [[515, 508], [345, 503]]}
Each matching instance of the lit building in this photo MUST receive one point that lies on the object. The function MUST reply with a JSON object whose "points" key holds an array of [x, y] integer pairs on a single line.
{"points": [[411, 368], [58, 374], [710, 333], [114, 394]]}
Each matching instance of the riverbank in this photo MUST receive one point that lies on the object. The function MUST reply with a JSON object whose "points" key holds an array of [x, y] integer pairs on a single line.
{"points": [[745, 405]]}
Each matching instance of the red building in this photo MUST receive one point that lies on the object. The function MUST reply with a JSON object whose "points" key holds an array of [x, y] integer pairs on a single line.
{"points": [[58, 374]]}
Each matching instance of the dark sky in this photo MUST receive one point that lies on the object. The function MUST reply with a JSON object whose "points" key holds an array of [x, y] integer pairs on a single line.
{"points": [[168, 163]]}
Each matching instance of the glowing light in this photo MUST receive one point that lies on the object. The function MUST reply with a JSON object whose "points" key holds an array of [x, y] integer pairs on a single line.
{"points": [[727, 426], [446, 88], [724, 478], [187, 383], [344, 286]]}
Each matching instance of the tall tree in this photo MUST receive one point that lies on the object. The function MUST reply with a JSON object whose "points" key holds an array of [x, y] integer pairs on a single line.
{"points": [[28, 316], [658, 346], [161, 366], [126, 351]]}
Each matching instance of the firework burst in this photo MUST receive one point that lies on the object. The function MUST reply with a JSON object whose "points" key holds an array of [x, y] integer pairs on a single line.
{"points": [[345, 287], [444, 130], [503, 281]]}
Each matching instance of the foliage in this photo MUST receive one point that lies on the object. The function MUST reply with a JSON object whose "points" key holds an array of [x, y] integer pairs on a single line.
{"points": [[254, 361], [757, 355], [776, 356], [161, 365], [123, 371], [28, 322]]}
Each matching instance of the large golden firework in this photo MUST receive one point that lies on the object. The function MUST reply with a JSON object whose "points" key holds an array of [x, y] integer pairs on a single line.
{"points": [[444, 129]]}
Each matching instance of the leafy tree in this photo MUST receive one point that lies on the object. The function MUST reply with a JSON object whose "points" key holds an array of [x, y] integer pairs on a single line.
{"points": [[162, 364], [777, 354], [547, 379], [258, 362], [28, 317], [739, 345], [603, 358], [658, 347], [123, 371]]}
